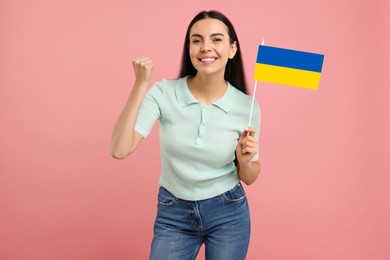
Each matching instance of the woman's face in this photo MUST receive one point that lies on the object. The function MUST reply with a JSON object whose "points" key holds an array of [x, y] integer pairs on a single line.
{"points": [[210, 46]]}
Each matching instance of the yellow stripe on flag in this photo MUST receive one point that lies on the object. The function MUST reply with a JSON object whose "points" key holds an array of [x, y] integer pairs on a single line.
{"points": [[287, 76]]}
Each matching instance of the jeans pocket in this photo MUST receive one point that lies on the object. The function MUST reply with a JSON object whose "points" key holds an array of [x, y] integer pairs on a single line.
{"points": [[235, 195], [165, 198]]}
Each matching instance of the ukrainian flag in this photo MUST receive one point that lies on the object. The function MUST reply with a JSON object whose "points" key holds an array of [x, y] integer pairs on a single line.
{"points": [[288, 67]]}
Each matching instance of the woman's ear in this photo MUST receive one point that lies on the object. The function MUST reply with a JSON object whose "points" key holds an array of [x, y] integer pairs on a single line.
{"points": [[233, 50]]}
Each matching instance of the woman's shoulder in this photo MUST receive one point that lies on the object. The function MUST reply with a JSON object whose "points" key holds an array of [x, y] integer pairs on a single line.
{"points": [[243, 99], [169, 83], [165, 88], [239, 94]]}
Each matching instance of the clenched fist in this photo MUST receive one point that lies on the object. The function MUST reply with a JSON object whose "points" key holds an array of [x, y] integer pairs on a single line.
{"points": [[143, 67]]}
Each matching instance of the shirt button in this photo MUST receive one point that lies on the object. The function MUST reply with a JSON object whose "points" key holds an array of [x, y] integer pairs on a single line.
{"points": [[198, 141]]}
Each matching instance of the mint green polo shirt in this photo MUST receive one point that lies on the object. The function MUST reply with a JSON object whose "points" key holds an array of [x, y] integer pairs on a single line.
{"points": [[197, 141]]}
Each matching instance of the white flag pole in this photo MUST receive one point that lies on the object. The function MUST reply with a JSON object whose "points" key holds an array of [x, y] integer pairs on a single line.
{"points": [[253, 97], [253, 101]]}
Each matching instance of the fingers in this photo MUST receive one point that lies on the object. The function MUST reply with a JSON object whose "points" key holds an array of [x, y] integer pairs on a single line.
{"points": [[143, 66], [249, 147], [249, 131], [248, 142], [142, 61], [248, 136]]}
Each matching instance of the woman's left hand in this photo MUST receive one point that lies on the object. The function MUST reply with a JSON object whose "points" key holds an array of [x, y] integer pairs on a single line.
{"points": [[247, 146]]}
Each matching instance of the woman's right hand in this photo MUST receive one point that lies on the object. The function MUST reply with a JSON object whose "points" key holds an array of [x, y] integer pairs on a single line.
{"points": [[143, 67]]}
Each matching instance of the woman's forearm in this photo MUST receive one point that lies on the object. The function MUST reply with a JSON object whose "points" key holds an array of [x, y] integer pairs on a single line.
{"points": [[248, 172], [124, 138]]}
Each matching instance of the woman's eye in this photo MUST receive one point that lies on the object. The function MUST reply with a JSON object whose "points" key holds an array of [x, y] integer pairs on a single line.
{"points": [[195, 41], [217, 39]]}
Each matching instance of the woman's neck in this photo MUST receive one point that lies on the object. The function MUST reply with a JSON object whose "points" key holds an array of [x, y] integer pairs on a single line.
{"points": [[207, 89]]}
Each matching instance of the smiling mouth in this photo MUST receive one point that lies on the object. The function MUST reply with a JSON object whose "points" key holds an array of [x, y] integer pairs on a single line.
{"points": [[207, 59]]}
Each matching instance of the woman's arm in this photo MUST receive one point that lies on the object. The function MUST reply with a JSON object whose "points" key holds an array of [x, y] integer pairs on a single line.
{"points": [[124, 137], [247, 147], [248, 173]]}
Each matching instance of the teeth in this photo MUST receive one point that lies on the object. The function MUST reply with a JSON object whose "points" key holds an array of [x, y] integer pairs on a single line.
{"points": [[208, 59]]}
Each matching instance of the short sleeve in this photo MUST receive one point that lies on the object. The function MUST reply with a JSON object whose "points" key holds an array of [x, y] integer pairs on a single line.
{"points": [[150, 110]]}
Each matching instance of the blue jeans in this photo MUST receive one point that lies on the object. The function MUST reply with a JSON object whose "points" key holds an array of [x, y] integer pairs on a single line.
{"points": [[222, 223]]}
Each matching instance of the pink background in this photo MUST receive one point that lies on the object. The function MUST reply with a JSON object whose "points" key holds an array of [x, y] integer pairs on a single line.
{"points": [[65, 74]]}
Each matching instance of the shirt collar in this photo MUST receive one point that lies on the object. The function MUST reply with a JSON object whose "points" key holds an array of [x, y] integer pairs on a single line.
{"points": [[185, 98], [183, 94]]}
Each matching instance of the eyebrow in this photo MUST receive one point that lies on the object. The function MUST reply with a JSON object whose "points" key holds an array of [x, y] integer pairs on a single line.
{"points": [[212, 35]]}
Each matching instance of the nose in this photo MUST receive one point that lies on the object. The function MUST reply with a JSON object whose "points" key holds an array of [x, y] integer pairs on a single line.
{"points": [[205, 47]]}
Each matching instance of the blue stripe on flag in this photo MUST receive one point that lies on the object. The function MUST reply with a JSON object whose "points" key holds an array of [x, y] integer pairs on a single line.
{"points": [[290, 58]]}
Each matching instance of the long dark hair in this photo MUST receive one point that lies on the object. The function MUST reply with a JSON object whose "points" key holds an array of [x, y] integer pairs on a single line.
{"points": [[234, 71]]}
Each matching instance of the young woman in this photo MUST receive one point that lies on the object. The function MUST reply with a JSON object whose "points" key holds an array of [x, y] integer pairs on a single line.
{"points": [[206, 144]]}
